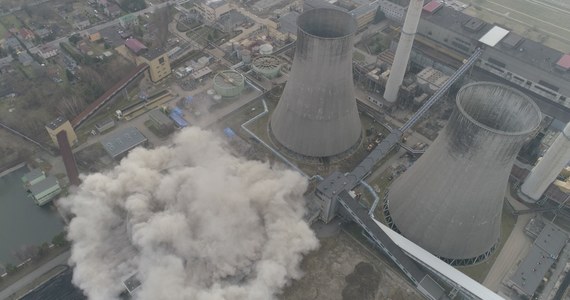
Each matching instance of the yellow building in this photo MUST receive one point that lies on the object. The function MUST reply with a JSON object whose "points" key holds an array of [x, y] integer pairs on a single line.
{"points": [[211, 11], [159, 64], [57, 126], [157, 59]]}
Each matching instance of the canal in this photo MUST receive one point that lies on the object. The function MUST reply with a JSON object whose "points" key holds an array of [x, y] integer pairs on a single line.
{"points": [[22, 223]]}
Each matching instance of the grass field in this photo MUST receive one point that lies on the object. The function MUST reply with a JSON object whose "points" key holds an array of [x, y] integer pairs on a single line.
{"points": [[538, 20], [3, 31], [10, 21]]}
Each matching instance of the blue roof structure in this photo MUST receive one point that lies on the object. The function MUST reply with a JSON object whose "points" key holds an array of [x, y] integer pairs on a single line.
{"points": [[178, 119], [229, 133]]}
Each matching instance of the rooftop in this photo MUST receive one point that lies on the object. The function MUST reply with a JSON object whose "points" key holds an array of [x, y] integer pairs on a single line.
{"points": [[151, 54], [564, 62], [135, 45], [458, 22], [215, 4], [432, 7], [494, 36], [551, 240], [33, 174], [56, 123], [531, 270], [122, 140], [43, 185]]}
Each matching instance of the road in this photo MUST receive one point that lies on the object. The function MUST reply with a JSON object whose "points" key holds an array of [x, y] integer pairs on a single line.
{"points": [[28, 279]]}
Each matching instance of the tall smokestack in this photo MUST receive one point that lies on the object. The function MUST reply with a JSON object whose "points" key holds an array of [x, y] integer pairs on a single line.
{"points": [[403, 52], [68, 158], [548, 168], [317, 114], [449, 202]]}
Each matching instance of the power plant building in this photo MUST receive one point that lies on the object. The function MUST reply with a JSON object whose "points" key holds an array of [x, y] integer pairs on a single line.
{"points": [[58, 125], [548, 168], [450, 201], [317, 114]]}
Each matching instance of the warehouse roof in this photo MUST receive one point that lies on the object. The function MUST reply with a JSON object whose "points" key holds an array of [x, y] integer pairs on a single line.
{"points": [[458, 22], [432, 7], [123, 140], [494, 36], [43, 185], [33, 175], [135, 45], [56, 123]]}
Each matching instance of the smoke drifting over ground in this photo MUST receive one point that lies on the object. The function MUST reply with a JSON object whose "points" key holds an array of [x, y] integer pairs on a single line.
{"points": [[202, 224]]}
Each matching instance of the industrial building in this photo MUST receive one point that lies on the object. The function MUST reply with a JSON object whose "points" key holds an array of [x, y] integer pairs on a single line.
{"points": [[104, 125], [160, 120], [33, 177], [45, 190], [157, 59], [548, 168], [120, 142], [528, 64], [531, 272], [317, 114], [450, 201], [229, 83], [58, 125], [212, 11]]}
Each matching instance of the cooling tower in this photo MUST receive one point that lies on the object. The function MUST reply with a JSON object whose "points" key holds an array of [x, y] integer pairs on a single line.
{"points": [[548, 168], [449, 202], [402, 56], [317, 114]]}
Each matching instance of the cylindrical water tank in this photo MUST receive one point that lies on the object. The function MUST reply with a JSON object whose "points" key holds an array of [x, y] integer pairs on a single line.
{"points": [[317, 114], [229, 83], [450, 201], [265, 49], [246, 56]]}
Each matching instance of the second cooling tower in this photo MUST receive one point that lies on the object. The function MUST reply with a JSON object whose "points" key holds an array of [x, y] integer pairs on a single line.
{"points": [[317, 114], [450, 201]]}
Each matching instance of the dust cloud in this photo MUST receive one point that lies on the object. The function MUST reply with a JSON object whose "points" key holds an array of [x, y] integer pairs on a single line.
{"points": [[193, 221]]}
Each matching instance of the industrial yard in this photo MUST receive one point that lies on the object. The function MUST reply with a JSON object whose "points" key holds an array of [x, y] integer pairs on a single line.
{"points": [[293, 149]]}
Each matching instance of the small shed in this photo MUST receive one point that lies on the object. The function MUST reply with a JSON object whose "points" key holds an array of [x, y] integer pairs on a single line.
{"points": [[33, 177], [160, 120], [105, 125]]}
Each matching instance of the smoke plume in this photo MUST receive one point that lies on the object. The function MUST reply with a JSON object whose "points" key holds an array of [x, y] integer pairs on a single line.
{"points": [[194, 222]]}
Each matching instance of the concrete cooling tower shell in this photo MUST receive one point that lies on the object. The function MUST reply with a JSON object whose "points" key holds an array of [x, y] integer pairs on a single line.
{"points": [[317, 114], [449, 202]]}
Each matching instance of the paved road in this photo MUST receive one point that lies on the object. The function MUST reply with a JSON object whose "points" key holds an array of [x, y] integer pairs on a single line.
{"points": [[26, 280], [516, 248]]}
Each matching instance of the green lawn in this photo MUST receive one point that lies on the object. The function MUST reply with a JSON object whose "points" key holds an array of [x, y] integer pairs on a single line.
{"points": [[3, 31], [10, 21]]}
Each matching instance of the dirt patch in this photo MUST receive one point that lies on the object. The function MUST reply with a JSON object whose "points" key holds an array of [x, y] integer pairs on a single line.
{"points": [[343, 269]]}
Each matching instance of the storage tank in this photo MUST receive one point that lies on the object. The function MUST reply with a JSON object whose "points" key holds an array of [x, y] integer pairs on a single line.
{"points": [[265, 49], [449, 201], [317, 114], [246, 56], [229, 83], [266, 65]]}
